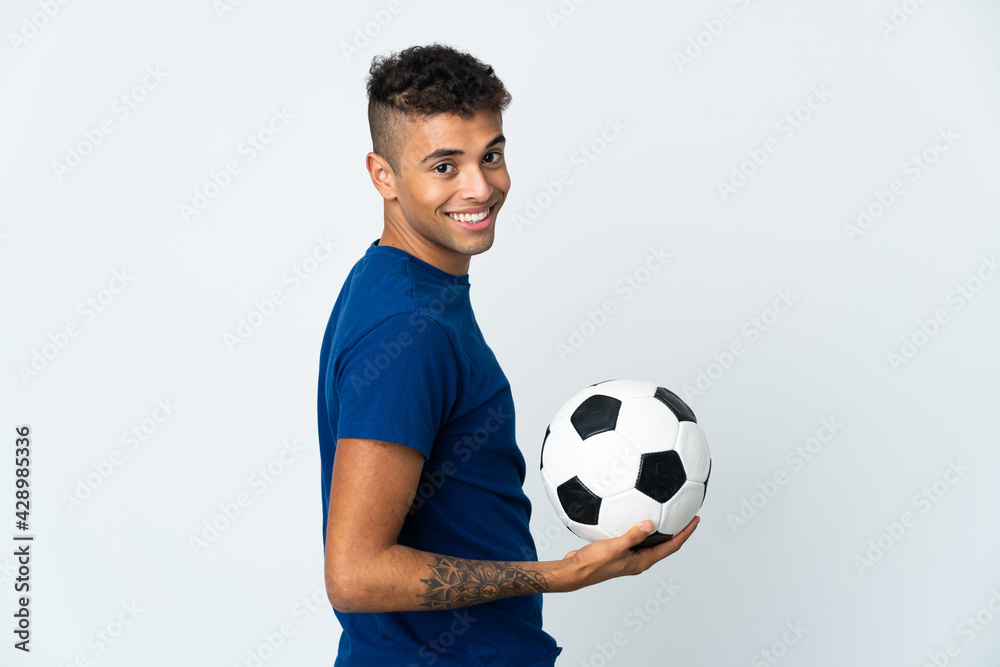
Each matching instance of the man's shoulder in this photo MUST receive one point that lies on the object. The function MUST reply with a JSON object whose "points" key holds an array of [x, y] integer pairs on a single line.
{"points": [[382, 273], [382, 284], [381, 298]]}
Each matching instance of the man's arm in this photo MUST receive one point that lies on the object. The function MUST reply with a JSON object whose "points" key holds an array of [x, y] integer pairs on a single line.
{"points": [[374, 484]]}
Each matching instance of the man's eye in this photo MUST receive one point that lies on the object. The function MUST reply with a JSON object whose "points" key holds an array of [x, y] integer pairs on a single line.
{"points": [[498, 155], [443, 168]]}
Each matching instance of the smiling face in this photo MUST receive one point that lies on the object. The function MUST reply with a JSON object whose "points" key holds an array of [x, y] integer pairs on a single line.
{"points": [[442, 203]]}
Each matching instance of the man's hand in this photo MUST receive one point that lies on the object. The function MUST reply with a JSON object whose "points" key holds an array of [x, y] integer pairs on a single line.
{"points": [[615, 557]]}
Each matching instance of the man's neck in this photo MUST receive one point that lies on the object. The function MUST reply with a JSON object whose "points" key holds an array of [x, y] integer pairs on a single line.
{"points": [[456, 265]]}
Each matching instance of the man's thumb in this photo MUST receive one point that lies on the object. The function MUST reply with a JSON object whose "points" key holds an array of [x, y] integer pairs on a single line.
{"points": [[639, 532]]}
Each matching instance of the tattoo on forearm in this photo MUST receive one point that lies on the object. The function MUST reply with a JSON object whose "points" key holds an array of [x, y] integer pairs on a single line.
{"points": [[456, 582]]}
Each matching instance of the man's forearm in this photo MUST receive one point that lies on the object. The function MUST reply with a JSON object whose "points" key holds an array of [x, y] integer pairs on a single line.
{"points": [[398, 578], [459, 582], [405, 579]]}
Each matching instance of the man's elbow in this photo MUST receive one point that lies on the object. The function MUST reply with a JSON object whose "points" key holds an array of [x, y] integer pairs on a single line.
{"points": [[342, 589]]}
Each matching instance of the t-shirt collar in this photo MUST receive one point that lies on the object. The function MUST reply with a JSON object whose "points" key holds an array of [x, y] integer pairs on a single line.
{"points": [[416, 261]]}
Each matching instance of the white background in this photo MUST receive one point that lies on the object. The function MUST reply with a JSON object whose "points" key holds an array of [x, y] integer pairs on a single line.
{"points": [[892, 77]]}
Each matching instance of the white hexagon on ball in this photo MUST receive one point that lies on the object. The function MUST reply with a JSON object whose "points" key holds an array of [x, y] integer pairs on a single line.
{"points": [[560, 455], [608, 464], [693, 448], [588, 532], [682, 508], [648, 424], [622, 511]]}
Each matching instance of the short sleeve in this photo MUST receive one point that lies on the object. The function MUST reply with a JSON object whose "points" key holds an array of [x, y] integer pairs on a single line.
{"points": [[398, 383]]}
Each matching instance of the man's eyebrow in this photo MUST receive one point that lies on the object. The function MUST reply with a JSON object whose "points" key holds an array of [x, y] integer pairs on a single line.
{"points": [[445, 152]]}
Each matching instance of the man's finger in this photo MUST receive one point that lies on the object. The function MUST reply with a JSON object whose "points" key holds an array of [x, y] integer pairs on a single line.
{"points": [[675, 542], [637, 533]]}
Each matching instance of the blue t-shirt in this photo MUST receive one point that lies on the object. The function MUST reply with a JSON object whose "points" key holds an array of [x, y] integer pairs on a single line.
{"points": [[403, 360]]}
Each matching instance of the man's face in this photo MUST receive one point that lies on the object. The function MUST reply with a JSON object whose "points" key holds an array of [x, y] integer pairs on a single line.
{"points": [[451, 183]]}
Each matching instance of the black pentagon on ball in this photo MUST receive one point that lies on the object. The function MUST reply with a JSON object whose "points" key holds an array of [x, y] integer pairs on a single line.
{"points": [[661, 475], [579, 502], [541, 457], [676, 405], [595, 415]]}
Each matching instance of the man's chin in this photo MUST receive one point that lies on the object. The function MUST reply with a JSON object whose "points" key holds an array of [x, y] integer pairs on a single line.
{"points": [[481, 245]]}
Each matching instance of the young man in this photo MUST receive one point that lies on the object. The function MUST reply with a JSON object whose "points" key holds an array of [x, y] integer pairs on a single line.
{"points": [[428, 557]]}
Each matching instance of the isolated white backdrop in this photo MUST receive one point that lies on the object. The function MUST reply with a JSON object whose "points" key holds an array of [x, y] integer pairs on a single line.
{"points": [[817, 550]]}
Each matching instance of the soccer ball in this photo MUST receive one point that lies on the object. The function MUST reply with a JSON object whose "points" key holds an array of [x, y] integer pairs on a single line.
{"points": [[621, 451]]}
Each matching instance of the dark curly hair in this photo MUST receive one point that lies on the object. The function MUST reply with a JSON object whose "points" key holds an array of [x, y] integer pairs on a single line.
{"points": [[423, 81]]}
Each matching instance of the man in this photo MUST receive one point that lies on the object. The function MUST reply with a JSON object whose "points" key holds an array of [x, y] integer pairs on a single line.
{"points": [[428, 557]]}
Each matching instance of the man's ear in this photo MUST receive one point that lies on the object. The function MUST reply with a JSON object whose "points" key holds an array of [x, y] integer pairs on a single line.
{"points": [[383, 177]]}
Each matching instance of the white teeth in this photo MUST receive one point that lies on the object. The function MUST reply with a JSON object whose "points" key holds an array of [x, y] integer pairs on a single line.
{"points": [[466, 217]]}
